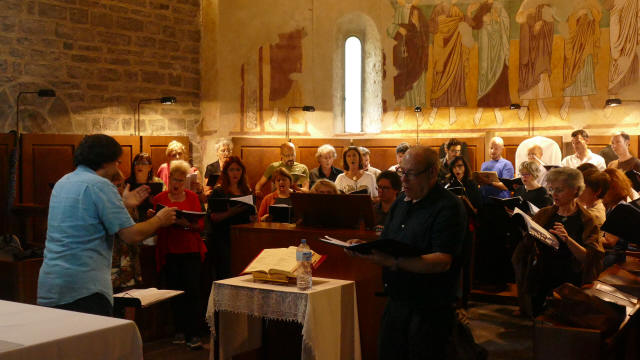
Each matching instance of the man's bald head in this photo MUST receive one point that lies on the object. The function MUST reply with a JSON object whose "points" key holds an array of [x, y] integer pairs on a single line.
{"points": [[288, 153], [420, 167]]}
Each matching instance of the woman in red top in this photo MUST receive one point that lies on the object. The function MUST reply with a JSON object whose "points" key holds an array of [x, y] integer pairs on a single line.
{"points": [[283, 181], [180, 252]]}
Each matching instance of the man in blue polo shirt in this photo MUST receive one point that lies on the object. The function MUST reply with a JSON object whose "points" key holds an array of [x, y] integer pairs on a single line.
{"points": [[85, 212]]}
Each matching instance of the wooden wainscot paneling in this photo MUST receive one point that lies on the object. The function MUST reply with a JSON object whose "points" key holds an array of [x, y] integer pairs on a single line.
{"points": [[258, 153], [156, 146], [130, 148], [45, 159]]}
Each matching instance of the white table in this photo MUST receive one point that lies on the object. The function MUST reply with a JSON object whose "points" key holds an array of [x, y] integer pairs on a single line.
{"points": [[36, 332], [328, 314]]}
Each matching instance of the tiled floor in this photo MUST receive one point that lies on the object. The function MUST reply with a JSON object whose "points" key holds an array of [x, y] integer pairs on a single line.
{"points": [[494, 327]]}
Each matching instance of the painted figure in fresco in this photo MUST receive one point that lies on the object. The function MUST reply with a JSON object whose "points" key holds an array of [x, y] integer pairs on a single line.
{"points": [[624, 37], [451, 40], [536, 39], [492, 22], [410, 54], [581, 48], [285, 59]]}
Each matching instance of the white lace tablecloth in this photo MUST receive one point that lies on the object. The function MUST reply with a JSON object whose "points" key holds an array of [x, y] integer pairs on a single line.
{"points": [[36, 332], [328, 314]]}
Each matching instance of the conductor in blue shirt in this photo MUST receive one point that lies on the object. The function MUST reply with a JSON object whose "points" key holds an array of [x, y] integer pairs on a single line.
{"points": [[419, 316], [85, 212]]}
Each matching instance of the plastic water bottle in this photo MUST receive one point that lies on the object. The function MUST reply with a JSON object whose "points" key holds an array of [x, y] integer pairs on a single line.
{"points": [[303, 274]]}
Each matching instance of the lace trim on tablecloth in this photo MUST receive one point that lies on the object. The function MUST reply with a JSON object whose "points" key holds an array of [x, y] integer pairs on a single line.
{"points": [[270, 304]]}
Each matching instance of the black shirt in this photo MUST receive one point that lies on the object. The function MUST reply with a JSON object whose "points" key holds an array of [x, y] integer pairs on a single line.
{"points": [[316, 174], [213, 169], [435, 223]]}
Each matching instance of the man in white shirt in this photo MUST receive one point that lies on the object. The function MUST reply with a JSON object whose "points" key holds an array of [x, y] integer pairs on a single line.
{"points": [[579, 140]]}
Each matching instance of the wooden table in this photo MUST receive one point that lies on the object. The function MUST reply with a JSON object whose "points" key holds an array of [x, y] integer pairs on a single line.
{"points": [[248, 240]]}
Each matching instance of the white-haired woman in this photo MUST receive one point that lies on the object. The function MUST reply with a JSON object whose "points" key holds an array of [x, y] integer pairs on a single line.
{"points": [[180, 251], [325, 156], [579, 258], [224, 149], [532, 191]]}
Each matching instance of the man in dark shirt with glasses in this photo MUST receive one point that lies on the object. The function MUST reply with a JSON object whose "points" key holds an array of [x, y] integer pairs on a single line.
{"points": [[419, 316]]}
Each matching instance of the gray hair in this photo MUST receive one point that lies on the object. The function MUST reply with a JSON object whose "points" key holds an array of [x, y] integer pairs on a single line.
{"points": [[497, 140], [364, 151], [531, 167], [326, 149], [179, 167], [570, 177], [222, 142]]}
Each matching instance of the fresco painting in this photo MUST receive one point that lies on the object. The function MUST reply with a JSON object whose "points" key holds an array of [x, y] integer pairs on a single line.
{"points": [[560, 60]]}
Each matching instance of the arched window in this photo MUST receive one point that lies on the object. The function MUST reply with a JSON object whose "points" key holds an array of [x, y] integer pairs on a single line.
{"points": [[352, 85]]}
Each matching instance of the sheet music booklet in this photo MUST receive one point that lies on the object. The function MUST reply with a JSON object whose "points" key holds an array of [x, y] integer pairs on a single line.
{"points": [[191, 216], [388, 246], [145, 297], [535, 230]]}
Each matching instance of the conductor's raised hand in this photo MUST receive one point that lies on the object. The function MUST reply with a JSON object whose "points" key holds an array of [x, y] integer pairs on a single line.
{"points": [[167, 216], [133, 198]]}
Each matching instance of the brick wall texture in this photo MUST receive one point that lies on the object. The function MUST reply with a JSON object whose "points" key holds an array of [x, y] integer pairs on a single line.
{"points": [[101, 58]]}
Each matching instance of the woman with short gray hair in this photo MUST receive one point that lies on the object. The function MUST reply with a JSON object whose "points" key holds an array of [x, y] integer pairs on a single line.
{"points": [[325, 156], [531, 190], [579, 258]]}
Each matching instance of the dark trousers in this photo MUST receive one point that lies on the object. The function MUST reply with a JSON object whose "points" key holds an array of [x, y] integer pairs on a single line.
{"points": [[409, 332], [96, 304], [182, 272]]}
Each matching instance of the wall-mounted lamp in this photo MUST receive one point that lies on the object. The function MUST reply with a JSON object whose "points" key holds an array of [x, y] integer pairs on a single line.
{"points": [[306, 108], [417, 109], [529, 121], [613, 102], [165, 100], [41, 93]]}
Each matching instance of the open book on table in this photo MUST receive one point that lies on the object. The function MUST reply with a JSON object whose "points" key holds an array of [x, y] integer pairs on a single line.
{"points": [[278, 264], [144, 297], [388, 246], [535, 230]]}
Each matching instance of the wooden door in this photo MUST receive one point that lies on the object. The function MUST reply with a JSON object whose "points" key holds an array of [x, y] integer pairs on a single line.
{"points": [[156, 146], [45, 159], [130, 148]]}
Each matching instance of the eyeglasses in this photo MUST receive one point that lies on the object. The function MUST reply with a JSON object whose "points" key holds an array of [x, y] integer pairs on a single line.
{"points": [[384, 188], [553, 190], [524, 174], [410, 174]]}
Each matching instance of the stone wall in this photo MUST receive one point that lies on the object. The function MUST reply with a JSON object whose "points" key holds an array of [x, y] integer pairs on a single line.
{"points": [[101, 58]]}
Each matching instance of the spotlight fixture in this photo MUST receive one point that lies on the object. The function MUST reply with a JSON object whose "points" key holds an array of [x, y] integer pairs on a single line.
{"points": [[41, 93], [417, 109], [613, 102], [305, 108], [529, 121], [165, 100]]}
